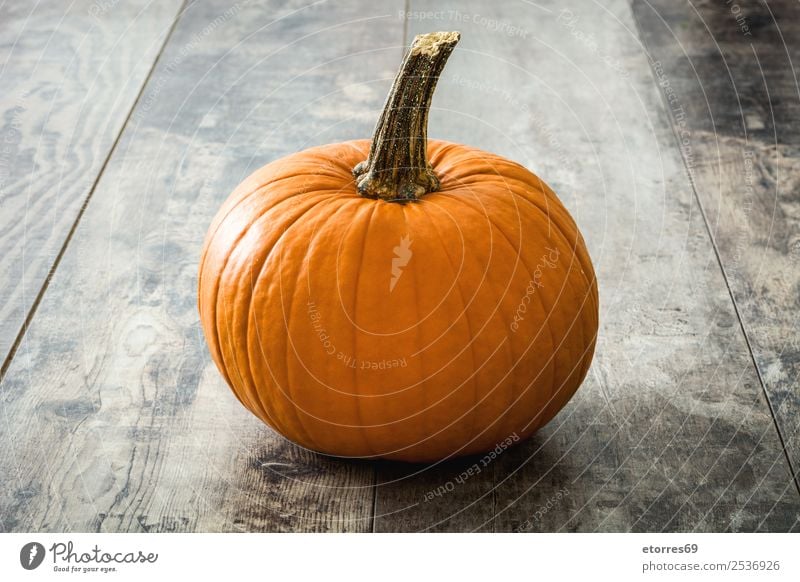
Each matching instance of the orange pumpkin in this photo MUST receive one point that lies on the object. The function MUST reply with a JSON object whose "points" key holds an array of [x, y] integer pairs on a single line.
{"points": [[400, 298]]}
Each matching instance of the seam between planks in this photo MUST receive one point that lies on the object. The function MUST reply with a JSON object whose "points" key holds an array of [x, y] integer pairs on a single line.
{"points": [[374, 511], [46, 283], [706, 224]]}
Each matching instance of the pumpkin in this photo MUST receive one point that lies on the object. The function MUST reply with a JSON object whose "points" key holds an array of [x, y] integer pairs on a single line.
{"points": [[399, 298]]}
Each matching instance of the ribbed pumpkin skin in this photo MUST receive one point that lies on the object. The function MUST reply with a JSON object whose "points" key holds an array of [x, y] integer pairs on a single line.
{"points": [[297, 307]]}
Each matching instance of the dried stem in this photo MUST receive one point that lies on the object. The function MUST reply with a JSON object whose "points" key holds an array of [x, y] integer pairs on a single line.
{"points": [[397, 167]]}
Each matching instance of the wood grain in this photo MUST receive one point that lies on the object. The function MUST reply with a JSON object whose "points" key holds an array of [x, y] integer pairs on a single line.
{"points": [[127, 425], [671, 431], [737, 103], [70, 74]]}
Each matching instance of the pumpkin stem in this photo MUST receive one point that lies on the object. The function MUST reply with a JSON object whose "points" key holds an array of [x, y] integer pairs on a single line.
{"points": [[397, 167]]}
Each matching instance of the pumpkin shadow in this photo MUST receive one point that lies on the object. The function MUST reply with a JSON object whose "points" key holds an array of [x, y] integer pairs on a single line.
{"points": [[531, 458], [406, 468], [466, 466]]}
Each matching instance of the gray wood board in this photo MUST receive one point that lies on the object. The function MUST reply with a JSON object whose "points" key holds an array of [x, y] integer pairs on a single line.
{"points": [[115, 418], [731, 74], [671, 431], [70, 73]]}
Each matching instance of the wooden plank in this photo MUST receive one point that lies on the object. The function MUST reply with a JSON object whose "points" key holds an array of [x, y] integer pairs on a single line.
{"points": [[455, 495], [671, 430], [70, 74], [737, 102], [115, 417]]}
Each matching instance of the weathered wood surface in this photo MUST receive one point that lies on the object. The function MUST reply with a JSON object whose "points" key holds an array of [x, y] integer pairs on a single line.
{"points": [[671, 431], [70, 73], [731, 71], [115, 418]]}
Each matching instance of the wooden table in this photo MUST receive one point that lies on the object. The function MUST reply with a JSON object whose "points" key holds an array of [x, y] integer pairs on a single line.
{"points": [[671, 131]]}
